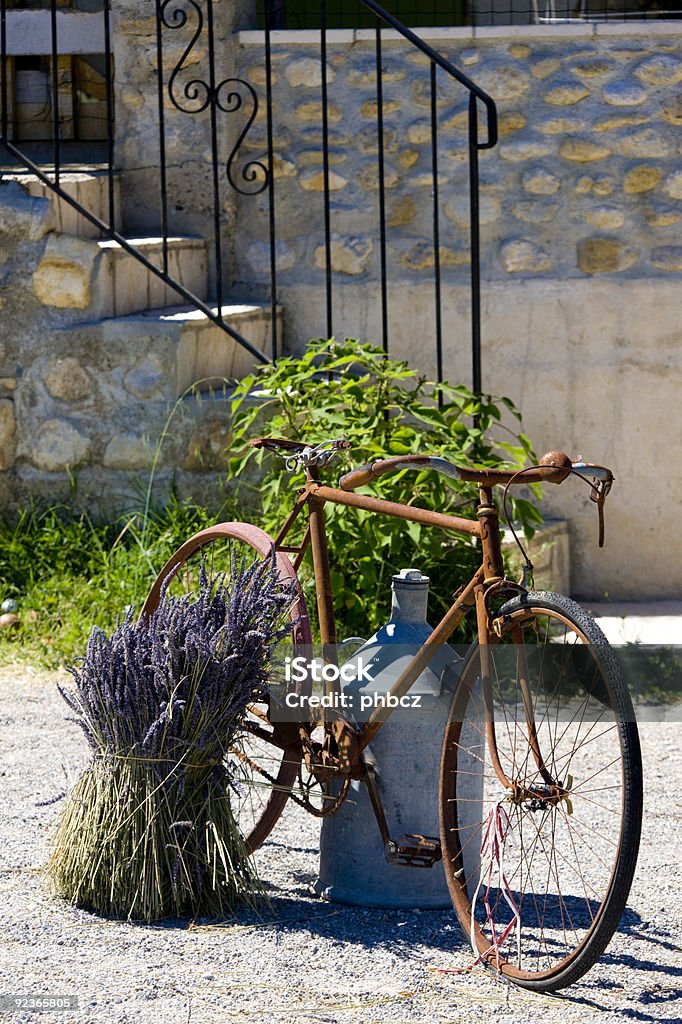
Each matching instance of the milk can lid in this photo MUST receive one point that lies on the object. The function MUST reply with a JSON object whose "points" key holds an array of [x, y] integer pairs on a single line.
{"points": [[410, 577]]}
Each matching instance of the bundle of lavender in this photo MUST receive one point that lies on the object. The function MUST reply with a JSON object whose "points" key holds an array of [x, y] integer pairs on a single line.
{"points": [[148, 831]]}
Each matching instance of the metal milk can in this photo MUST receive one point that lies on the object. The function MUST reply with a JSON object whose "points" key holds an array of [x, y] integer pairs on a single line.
{"points": [[406, 753]]}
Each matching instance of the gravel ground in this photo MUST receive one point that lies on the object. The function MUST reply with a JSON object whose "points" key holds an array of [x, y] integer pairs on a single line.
{"points": [[305, 960]]}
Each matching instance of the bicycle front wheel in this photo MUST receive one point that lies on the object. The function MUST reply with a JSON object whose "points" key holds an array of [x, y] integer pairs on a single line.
{"points": [[265, 760], [541, 794]]}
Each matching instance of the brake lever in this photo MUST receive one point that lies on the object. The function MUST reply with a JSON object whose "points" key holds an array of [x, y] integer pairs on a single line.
{"points": [[598, 492]]}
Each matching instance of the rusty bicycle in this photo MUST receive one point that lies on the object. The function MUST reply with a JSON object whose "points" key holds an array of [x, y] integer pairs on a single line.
{"points": [[540, 714]]}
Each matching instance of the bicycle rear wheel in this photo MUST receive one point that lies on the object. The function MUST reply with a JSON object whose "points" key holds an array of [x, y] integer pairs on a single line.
{"points": [[266, 756], [561, 828]]}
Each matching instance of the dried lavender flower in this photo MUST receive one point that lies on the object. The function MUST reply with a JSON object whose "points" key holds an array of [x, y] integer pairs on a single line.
{"points": [[160, 702]]}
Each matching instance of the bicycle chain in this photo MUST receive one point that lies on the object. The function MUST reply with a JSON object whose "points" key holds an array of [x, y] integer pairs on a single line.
{"points": [[302, 802]]}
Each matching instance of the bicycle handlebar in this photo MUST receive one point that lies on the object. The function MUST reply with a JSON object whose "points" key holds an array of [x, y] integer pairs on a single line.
{"points": [[553, 468]]}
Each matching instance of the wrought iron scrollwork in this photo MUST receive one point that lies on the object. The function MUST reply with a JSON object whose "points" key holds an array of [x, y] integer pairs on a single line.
{"points": [[230, 95], [255, 171]]}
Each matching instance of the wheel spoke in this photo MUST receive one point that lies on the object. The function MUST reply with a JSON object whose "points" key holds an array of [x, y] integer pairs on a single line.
{"points": [[565, 854]]}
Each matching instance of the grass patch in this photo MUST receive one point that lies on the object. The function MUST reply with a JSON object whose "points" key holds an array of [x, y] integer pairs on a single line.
{"points": [[69, 572]]}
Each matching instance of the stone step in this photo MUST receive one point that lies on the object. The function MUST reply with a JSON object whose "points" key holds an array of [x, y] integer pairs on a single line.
{"points": [[89, 188], [205, 355], [101, 279]]}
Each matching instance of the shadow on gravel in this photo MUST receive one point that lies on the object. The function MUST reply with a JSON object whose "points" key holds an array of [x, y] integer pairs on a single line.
{"points": [[396, 930], [656, 995]]}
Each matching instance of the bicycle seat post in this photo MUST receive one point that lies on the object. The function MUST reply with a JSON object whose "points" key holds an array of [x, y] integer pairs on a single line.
{"points": [[488, 517]]}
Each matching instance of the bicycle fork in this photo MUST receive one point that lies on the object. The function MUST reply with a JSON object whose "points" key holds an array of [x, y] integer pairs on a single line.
{"points": [[552, 792]]}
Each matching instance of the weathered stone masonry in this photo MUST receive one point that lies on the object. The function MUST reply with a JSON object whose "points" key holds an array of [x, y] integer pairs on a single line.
{"points": [[586, 178]]}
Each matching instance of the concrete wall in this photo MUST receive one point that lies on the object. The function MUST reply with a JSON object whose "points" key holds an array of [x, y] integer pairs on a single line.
{"points": [[582, 251]]}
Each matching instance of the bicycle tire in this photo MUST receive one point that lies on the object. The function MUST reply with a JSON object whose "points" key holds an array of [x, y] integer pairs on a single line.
{"points": [[569, 872], [267, 770]]}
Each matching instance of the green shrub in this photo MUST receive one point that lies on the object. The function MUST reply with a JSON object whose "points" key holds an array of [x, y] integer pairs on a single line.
{"points": [[344, 389]]}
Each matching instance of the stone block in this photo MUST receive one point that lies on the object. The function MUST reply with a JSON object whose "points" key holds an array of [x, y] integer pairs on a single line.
{"points": [[510, 122], [521, 256], [401, 212], [504, 82], [7, 433], [147, 378], [647, 143], [408, 158], [661, 69], [209, 446], [660, 217], [419, 133], [673, 185], [282, 168], [391, 71], [63, 277], [560, 125], [58, 445], [307, 72], [368, 176], [605, 255], [313, 112], [315, 157], [520, 51], [544, 68], [258, 257], [23, 216], [348, 255], [457, 209], [127, 451], [667, 257], [313, 181], [583, 150], [421, 256], [592, 68], [611, 124], [605, 218], [523, 149], [66, 380], [671, 109], [567, 94], [370, 108], [534, 212], [643, 178], [624, 93], [540, 182]]}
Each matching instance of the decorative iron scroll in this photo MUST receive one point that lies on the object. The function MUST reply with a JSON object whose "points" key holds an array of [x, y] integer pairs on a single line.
{"points": [[230, 95]]}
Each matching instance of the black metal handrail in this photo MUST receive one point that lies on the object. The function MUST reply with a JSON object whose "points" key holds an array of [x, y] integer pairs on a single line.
{"points": [[192, 92], [474, 146], [273, 15]]}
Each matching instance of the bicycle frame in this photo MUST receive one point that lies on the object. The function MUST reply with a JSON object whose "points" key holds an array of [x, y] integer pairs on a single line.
{"points": [[315, 495]]}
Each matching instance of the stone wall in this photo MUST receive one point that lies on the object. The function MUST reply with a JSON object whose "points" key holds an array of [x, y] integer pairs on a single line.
{"points": [[84, 399], [586, 178]]}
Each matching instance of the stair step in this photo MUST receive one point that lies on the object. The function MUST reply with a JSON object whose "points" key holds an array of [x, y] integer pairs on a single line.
{"points": [[90, 189], [123, 285], [101, 279], [205, 354]]}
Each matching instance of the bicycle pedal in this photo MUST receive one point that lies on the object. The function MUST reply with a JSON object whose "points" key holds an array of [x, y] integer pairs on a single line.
{"points": [[416, 851]]}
